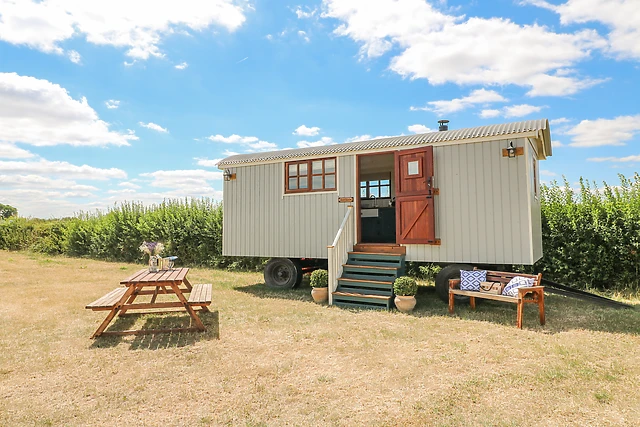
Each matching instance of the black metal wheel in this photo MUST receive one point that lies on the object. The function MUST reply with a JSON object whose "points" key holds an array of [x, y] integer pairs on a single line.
{"points": [[451, 271], [283, 273]]}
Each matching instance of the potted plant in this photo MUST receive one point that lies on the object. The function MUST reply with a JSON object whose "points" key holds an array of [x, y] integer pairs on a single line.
{"points": [[320, 285], [405, 289]]}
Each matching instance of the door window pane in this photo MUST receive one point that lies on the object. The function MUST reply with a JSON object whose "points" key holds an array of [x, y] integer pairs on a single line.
{"points": [[316, 183], [293, 170], [330, 166], [316, 166], [329, 181], [413, 168], [293, 183], [304, 182]]}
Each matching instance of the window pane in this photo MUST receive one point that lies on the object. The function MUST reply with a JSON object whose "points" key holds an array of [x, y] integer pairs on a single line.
{"points": [[316, 183], [384, 182], [329, 181], [384, 192], [303, 169], [373, 182], [304, 182], [316, 166], [330, 166], [374, 191], [363, 192], [293, 170], [293, 183], [413, 168], [363, 184]]}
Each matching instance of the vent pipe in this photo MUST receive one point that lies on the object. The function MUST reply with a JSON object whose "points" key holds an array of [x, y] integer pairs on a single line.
{"points": [[443, 125]]}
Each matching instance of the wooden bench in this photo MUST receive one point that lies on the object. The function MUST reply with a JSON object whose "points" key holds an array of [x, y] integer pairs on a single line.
{"points": [[534, 294], [107, 301], [200, 295]]}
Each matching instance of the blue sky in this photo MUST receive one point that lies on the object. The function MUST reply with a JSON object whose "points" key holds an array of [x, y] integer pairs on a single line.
{"points": [[135, 100]]}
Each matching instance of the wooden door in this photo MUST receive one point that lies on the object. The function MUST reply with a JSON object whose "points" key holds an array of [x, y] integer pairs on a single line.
{"points": [[415, 213]]}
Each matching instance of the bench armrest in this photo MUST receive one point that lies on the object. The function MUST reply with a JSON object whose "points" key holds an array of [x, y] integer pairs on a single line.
{"points": [[523, 291], [454, 283]]}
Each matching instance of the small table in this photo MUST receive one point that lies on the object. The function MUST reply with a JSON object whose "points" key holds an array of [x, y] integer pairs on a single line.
{"points": [[143, 282]]}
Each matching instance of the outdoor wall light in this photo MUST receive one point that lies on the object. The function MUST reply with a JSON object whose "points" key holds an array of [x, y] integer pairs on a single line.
{"points": [[228, 176], [511, 150]]}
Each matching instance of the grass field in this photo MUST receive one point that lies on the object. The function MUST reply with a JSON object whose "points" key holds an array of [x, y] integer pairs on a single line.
{"points": [[282, 360]]}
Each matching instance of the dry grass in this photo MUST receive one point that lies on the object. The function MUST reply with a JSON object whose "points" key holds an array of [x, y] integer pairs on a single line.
{"points": [[283, 360]]}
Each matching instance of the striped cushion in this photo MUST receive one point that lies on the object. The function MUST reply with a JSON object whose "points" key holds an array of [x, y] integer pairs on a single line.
{"points": [[511, 290], [470, 280]]}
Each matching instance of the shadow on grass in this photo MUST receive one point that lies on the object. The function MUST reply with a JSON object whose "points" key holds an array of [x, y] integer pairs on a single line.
{"points": [[562, 314], [260, 290], [156, 341]]}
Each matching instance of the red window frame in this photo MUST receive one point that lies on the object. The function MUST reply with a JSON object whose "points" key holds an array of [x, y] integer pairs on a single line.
{"points": [[310, 175]]}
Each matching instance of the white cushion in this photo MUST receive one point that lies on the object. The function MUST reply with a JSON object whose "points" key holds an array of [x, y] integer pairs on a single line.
{"points": [[511, 289], [470, 280]]}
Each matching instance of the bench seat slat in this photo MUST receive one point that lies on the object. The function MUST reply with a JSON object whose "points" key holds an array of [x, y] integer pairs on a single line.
{"points": [[108, 300], [484, 295], [200, 294]]}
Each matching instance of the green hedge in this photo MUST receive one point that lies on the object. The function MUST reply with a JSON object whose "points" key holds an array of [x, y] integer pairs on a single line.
{"points": [[591, 235]]}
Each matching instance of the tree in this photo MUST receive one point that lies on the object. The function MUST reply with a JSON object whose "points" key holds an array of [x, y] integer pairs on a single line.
{"points": [[7, 211]]}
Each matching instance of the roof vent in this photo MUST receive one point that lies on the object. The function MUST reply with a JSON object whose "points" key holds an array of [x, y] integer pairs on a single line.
{"points": [[443, 125]]}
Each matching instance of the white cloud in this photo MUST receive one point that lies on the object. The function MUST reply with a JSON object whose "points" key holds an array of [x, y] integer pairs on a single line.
{"points": [[419, 129], [74, 57], [243, 59], [181, 66], [544, 172], [306, 131], [39, 182], [627, 159], [559, 121], [128, 184], [556, 144], [229, 153], [233, 139], [112, 104], [366, 137], [621, 16], [122, 191], [209, 163], [153, 126], [195, 182], [325, 140], [600, 132], [45, 167], [269, 37], [138, 26], [511, 111], [10, 151], [251, 143], [304, 36], [302, 14], [479, 96], [129, 64], [42, 113], [466, 51], [490, 113]]}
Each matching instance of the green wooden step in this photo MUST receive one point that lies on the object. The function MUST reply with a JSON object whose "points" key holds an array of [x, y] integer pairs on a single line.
{"points": [[350, 290], [387, 274], [348, 299], [383, 260], [365, 284]]}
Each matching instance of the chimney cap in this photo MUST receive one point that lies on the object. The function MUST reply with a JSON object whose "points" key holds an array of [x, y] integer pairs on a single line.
{"points": [[443, 125]]}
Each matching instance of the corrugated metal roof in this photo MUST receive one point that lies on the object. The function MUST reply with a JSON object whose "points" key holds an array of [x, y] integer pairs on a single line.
{"points": [[505, 129]]}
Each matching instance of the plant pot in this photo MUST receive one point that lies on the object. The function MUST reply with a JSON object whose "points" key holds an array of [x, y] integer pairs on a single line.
{"points": [[405, 304], [320, 295]]}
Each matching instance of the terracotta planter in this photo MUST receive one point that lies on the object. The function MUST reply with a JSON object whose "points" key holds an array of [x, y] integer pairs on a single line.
{"points": [[405, 304], [320, 295]]}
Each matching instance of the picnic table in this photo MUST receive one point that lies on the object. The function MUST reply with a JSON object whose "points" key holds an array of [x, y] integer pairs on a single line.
{"points": [[144, 282]]}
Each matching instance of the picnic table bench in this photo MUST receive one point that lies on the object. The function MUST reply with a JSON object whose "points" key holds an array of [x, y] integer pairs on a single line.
{"points": [[533, 294], [143, 282]]}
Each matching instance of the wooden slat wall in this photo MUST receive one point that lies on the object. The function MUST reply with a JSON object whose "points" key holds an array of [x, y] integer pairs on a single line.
{"points": [[259, 220], [483, 212]]}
